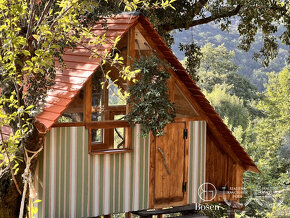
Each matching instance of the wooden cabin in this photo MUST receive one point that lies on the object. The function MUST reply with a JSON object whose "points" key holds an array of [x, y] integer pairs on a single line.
{"points": [[94, 163]]}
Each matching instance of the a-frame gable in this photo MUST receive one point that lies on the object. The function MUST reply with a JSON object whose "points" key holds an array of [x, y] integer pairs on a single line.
{"points": [[80, 68]]}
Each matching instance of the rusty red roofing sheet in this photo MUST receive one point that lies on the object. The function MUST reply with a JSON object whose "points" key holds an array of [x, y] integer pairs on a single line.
{"points": [[79, 67]]}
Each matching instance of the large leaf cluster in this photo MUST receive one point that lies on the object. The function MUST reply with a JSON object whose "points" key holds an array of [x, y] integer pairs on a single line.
{"points": [[253, 17], [149, 97]]}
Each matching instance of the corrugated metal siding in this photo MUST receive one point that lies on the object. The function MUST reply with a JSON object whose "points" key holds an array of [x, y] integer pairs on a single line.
{"points": [[197, 159], [72, 183]]}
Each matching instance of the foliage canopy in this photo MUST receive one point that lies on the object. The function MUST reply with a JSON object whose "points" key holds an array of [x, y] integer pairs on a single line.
{"points": [[149, 97], [33, 35]]}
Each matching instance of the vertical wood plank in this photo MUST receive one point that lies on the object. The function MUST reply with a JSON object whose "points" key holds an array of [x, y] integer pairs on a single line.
{"points": [[88, 108], [152, 171], [171, 88], [88, 101], [131, 46], [130, 58], [186, 161]]}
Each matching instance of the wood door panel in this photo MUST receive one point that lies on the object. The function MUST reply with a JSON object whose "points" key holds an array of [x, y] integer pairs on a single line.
{"points": [[168, 187]]}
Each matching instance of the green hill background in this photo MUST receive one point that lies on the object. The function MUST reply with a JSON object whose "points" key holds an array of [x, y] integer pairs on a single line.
{"points": [[248, 67]]}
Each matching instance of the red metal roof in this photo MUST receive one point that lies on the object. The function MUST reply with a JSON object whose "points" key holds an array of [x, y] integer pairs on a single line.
{"points": [[79, 68]]}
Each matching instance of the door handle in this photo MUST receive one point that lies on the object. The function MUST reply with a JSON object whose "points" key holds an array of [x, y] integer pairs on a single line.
{"points": [[164, 160]]}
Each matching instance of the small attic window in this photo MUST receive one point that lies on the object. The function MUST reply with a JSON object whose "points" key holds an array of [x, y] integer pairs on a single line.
{"points": [[106, 101], [183, 105]]}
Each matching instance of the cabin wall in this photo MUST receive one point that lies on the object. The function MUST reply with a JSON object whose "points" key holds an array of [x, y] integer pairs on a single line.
{"points": [[221, 169], [196, 159], [72, 183]]}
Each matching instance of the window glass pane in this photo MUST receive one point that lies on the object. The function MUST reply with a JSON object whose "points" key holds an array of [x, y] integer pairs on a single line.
{"points": [[71, 118], [119, 117], [97, 135], [97, 91], [119, 138], [75, 110], [183, 106], [115, 96], [96, 116]]}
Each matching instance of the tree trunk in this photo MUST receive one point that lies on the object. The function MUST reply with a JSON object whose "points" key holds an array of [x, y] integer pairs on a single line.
{"points": [[10, 199]]}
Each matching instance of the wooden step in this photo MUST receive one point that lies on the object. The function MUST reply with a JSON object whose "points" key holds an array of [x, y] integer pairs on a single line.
{"points": [[190, 209]]}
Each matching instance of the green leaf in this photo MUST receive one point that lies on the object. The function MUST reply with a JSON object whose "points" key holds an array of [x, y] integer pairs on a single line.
{"points": [[37, 201], [25, 52], [29, 63]]}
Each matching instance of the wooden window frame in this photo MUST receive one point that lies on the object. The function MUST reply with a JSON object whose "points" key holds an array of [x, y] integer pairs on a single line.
{"points": [[109, 123]]}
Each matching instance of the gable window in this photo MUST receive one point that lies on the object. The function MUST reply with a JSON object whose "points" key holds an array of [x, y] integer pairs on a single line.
{"points": [[108, 131], [102, 109]]}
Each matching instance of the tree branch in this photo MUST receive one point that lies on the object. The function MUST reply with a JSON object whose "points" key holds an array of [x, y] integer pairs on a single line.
{"points": [[198, 6], [60, 16], [47, 6], [27, 176], [31, 17], [9, 163], [206, 19]]}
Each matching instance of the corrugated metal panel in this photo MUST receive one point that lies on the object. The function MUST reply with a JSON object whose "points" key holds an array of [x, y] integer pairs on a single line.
{"points": [[72, 183], [197, 160]]}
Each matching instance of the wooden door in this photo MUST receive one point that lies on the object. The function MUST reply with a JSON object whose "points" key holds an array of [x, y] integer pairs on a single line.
{"points": [[170, 165]]}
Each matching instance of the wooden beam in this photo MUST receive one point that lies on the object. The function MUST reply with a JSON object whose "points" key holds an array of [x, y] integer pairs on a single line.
{"points": [[131, 46], [171, 89], [109, 124], [111, 151], [68, 124], [177, 209], [186, 164], [88, 101], [185, 119]]}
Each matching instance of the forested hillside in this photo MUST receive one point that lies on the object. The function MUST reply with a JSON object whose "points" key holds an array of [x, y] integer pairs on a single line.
{"points": [[260, 121], [211, 33]]}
